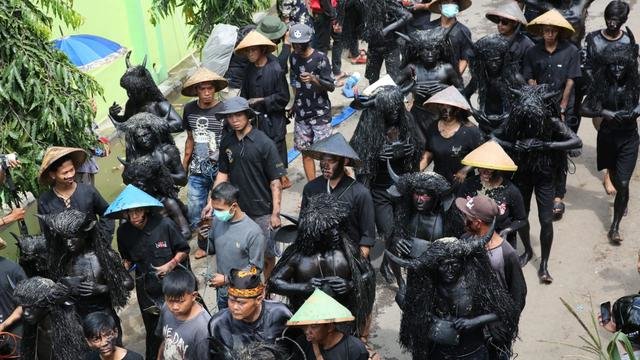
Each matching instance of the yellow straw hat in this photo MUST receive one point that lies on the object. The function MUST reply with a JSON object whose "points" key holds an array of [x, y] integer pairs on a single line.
{"points": [[553, 18], [449, 96], [490, 155], [434, 7], [254, 38], [200, 76], [53, 153]]}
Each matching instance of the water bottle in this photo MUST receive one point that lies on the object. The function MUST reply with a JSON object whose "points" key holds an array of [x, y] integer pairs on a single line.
{"points": [[350, 84]]}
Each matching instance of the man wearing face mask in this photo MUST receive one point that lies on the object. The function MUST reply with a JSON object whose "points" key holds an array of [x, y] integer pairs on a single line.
{"points": [[459, 35], [235, 239], [334, 153]]}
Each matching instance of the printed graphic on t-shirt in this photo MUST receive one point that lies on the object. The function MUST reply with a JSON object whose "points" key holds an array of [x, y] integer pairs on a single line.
{"points": [[204, 146], [174, 345]]}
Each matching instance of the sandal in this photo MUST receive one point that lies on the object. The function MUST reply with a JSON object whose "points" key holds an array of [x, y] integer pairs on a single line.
{"points": [[614, 237], [558, 210], [340, 79]]}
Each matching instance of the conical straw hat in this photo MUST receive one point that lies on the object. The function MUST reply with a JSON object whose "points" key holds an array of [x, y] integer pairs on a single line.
{"points": [[336, 145], [131, 198], [510, 11], [53, 153], [490, 155], [449, 96], [254, 38], [554, 18], [320, 308], [435, 7], [203, 75]]}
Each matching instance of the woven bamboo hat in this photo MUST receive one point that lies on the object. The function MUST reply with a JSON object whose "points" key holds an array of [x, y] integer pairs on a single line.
{"points": [[200, 76], [510, 11], [462, 5], [320, 308], [255, 38], [490, 155], [554, 18], [449, 96], [53, 153], [336, 145]]}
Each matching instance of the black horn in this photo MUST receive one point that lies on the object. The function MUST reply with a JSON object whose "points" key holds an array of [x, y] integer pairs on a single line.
{"points": [[127, 59], [395, 177], [408, 87], [123, 161], [403, 35], [144, 61], [516, 91], [409, 264]]}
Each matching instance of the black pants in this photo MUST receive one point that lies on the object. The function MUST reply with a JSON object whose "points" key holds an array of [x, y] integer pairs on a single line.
{"points": [[152, 341], [322, 41], [377, 55], [383, 204]]}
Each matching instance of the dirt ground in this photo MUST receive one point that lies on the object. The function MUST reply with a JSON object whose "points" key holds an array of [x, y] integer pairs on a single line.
{"points": [[587, 270]]}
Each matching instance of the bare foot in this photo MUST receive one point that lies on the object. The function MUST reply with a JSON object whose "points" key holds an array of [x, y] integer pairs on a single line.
{"points": [[608, 185]]}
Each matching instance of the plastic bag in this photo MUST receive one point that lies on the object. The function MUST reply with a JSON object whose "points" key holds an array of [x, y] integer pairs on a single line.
{"points": [[218, 49]]}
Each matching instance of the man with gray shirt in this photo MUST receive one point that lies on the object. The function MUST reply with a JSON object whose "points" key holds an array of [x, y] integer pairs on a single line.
{"points": [[235, 239]]}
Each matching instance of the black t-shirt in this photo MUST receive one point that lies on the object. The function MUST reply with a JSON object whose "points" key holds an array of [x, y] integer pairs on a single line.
{"points": [[460, 37], [552, 68], [348, 348], [311, 105], [361, 228], [251, 163], [13, 271], [85, 199], [207, 131], [421, 18], [447, 153], [507, 197], [154, 245], [130, 355]]}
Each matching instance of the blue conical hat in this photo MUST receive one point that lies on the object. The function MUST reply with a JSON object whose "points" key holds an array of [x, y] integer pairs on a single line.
{"points": [[131, 198]]}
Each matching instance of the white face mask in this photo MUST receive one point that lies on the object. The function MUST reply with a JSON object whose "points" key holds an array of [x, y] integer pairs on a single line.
{"points": [[449, 10]]}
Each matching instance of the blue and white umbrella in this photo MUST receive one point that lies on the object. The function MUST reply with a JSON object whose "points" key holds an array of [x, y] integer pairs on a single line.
{"points": [[89, 51]]}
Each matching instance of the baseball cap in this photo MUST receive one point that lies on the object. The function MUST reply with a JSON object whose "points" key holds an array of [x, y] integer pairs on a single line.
{"points": [[300, 33], [479, 207]]}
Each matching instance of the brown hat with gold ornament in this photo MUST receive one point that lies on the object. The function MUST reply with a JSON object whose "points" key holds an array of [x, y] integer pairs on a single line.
{"points": [[551, 18], [490, 155], [255, 38], [449, 96], [54, 153], [203, 75]]}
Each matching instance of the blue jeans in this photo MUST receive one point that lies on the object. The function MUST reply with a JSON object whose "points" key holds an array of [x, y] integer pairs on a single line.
{"points": [[198, 189]]}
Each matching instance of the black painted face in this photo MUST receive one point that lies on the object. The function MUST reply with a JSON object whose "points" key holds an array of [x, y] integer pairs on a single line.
{"points": [[423, 200], [448, 112], [75, 243], [332, 167], [144, 138], [430, 55], [494, 65], [616, 71], [33, 314], [614, 23], [449, 270]]}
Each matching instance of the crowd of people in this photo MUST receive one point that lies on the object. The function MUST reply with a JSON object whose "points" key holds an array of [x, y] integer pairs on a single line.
{"points": [[450, 234]]}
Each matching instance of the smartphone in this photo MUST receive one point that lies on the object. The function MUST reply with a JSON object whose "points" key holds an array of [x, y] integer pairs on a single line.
{"points": [[605, 312]]}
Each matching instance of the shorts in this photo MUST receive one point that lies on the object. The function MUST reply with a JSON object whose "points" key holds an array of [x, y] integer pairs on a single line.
{"points": [[305, 135], [264, 221], [618, 151]]}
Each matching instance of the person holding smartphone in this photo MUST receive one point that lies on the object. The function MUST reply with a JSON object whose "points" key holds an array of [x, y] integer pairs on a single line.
{"points": [[623, 317], [311, 79]]}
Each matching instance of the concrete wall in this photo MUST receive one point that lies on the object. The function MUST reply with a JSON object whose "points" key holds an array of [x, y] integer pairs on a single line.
{"points": [[127, 22]]}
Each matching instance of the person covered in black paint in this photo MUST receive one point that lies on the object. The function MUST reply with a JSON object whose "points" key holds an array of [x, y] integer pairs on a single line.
{"points": [[614, 96]]}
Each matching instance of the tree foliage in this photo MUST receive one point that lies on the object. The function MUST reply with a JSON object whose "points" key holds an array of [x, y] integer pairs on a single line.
{"points": [[44, 99], [202, 15]]}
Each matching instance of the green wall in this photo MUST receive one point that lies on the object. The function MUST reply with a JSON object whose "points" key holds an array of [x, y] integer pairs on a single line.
{"points": [[127, 23]]}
